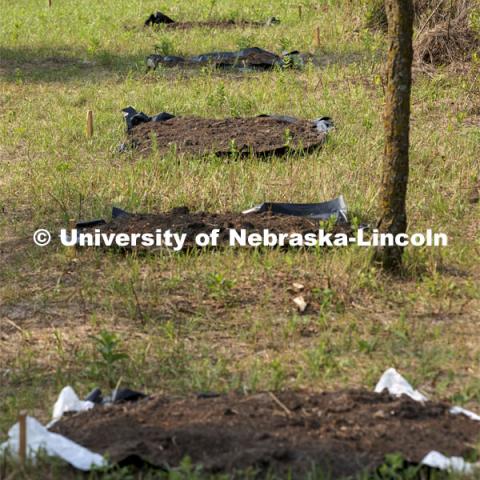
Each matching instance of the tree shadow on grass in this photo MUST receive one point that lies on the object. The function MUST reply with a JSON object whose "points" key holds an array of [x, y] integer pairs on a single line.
{"points": [[25, 64]]}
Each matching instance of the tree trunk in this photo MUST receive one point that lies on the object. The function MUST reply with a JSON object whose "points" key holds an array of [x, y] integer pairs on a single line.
{"points": [[393, 217]]}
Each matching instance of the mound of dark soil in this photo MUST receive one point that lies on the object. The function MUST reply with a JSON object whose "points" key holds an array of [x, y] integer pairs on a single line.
{"points": [[159, 18], [180, 220], [214, 24], [230, 136], [253, 58], [343, 433]]}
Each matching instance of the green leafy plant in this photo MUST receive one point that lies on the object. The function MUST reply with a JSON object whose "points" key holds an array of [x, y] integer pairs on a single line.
{"points": [[108, 347], [218, 285], [165, 47], [396, 468], [233, 147], [287, 137]]}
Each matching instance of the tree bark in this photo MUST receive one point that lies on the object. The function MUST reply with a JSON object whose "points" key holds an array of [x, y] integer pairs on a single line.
{"points": [[393, 217]]}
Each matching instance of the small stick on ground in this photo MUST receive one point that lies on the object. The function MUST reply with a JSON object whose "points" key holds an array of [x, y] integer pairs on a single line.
{"points": [[14, 325], [137, 303], [318, 84], [117, 386], [317, 37], [299, 11], [280, 404], [89, 124], [449, 19], [49, 3], [22, 437]]}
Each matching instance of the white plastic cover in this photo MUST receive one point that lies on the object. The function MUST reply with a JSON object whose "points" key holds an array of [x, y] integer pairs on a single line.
{"points": [[68, 401], [464, 411], [397, 385], [435, 459], [53, 444]]}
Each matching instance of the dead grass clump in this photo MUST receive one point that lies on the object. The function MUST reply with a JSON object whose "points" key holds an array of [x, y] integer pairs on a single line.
{"points": [[450, 40], [376, 18], [427, 13]]}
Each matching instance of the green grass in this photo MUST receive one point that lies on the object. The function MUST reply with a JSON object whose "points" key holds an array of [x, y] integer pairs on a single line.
{"points": [[222, 320]]}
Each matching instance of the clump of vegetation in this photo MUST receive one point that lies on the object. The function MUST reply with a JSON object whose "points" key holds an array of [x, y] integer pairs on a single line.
{"points": [[427, 13], [451, 39], [446, 31], [109, 356], [376, 16]]}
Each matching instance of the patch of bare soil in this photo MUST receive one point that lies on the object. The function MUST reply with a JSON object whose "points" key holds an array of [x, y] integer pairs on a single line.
{"points": [[13, 248], [472, 121], [180, 220], [343, 433], [230, 136]]}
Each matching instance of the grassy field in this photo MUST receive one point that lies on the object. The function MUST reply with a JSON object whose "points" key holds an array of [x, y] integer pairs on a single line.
{"points": [[222, 320]]}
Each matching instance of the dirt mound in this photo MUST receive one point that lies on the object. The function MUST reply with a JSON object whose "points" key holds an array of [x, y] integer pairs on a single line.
{"points": [[227, 137], [181, 221], [342, 433], [253, 58], [158, 18], [214, 24]]}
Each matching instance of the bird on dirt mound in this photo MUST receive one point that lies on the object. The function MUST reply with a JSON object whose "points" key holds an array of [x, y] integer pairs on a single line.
{"points": [[158, 18]]}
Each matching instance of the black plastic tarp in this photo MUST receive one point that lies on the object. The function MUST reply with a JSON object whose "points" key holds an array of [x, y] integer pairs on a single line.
{"points": [[320, 211], [248, 58], [134, 118], [158, 18], [119, 395]]}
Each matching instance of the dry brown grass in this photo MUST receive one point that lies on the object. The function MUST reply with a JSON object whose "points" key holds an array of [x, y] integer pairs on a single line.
{"points": [[377, 16], [450, 39]]}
